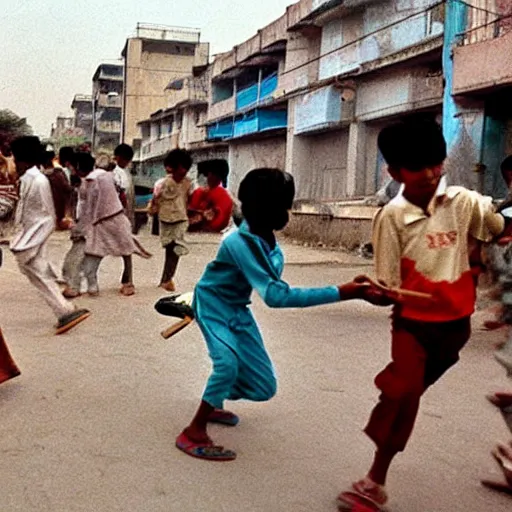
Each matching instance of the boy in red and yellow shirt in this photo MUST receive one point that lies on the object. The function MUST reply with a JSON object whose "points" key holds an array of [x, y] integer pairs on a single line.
{"points": [[422, 241]]}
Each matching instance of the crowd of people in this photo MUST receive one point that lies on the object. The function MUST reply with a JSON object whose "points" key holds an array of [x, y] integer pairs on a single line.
{"points": [[424, 241]]}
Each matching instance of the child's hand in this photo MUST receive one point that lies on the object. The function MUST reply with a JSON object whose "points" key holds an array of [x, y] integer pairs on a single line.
{"points": [[363, 288]]}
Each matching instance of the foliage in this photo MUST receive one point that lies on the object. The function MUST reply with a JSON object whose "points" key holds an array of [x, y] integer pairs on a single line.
{"points": [[12, 126]]}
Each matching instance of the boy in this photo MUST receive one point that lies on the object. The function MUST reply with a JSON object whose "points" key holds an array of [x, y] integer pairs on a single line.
{"points": [[61, 188], [171, 204], [107, 231], [35, 218], [421, 244], [249, 259], [123, 156], [210, 207], [73, 263]]}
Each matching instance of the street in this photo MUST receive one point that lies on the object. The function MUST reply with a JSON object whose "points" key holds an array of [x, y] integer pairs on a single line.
{"points": [[90, 424]]}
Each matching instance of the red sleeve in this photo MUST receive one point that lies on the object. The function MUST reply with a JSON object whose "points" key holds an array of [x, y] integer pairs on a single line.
{"points": [[196, 200], [223, 206]]}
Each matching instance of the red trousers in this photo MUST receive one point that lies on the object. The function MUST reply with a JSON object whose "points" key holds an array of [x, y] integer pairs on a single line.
{"points": [[421, 353], [8, 368]]}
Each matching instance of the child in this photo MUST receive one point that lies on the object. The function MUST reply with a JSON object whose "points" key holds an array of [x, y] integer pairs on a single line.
{"points": [[35, 218], [421, 243], [107, 231], [171, 205], [73, 263], [210, 207], [248, 259]]}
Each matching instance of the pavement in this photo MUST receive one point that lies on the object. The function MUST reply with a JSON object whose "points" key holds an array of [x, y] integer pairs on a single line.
{"points": [[91, 422]]}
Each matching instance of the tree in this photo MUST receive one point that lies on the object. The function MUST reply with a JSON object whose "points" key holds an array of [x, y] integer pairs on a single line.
{"points": [[12, 126]]}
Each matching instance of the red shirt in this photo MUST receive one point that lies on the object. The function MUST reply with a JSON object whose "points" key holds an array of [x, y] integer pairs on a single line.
{"points": [[216, 199]]}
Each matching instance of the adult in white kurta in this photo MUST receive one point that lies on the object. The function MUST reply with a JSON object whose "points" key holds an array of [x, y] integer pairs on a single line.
{"points": [[35, 222]]}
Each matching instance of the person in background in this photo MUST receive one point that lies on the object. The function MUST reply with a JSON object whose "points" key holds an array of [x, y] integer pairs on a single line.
{"points": [[61, 189], [123, 156], [210, 207], [67, 161], [107, 231], [73, 263], [171, 204], [35, 219]]}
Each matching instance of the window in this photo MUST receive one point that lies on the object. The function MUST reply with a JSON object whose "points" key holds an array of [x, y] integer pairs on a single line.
{"points": [[198, 117]]}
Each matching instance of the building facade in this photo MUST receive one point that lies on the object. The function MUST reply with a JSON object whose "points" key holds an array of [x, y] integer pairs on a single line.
{"points": [[82, 107], [152, 58], [107, 95], [180, 125]]}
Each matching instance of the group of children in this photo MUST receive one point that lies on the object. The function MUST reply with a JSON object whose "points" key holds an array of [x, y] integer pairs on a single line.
{"points": [[422, 242]]}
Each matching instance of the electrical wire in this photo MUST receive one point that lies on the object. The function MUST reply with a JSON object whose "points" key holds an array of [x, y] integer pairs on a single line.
{"points": [[482, 9], [316, 59]]}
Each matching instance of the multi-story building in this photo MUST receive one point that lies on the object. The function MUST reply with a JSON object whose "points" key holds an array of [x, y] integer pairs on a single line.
{"points": [[82, 106], [481, 86], [64, 126], [152, 58], [310, 92], [107, 95], [180, 125]]}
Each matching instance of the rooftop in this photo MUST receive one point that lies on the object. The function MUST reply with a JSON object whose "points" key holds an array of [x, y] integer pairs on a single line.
{"points": [[167, 33]]}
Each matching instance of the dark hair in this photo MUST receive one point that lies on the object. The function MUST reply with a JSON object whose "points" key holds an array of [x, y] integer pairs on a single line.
{"points": [[124, 151], [413, 145], [266, 196], [47, 158], [506, 165], [218, 167], [66, 154], [27, 149], [178, 158], [84, 163]]}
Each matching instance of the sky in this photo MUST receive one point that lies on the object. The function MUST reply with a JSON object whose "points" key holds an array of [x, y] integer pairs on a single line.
{"points": [[49, 49]]}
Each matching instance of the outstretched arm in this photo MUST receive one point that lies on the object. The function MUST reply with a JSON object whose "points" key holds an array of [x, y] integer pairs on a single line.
{"points": [[276, 293]]}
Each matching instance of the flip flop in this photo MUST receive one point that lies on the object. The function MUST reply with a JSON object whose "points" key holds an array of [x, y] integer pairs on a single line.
{"points": [[223, 417], [350, 501], [67, 322], [206, 451], [497, 486]]}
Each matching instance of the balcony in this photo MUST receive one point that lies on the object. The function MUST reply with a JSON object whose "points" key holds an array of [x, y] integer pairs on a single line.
{"points": [[321, 110], [411, 33], [110, 101], [256, 121], [108, 126], [483, 59], [257, 93], [188, 90], [159, 147], [221, 108]]}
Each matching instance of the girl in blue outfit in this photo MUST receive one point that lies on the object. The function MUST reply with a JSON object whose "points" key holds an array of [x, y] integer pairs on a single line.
{"points": [[248, 259]]}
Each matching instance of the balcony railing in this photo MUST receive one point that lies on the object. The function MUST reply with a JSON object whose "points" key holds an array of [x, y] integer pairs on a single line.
{"points": [[257, 93], [161, 146], [109, 101], [400, 35], [491, 27], [108, 126]]}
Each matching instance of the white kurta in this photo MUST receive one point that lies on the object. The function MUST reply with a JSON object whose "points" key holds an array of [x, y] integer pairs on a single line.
{"points": [[35, 222]]}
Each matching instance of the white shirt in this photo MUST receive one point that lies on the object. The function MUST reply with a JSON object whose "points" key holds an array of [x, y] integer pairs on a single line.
{"points": [[35, 214]]}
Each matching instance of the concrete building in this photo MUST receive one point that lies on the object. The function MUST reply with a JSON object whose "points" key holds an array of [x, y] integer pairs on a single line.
{"points": [[152, 57], [82, 106], [310, 92], [107, 94], [64, 126], [180, 125], [481, 89]]}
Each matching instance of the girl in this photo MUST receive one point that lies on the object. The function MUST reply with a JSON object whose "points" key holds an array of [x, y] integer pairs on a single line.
{"points": [[249, 258]]}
